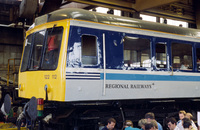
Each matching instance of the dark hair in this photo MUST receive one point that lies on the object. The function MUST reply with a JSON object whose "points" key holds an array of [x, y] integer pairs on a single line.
{"points": [[148, 126], [149, 115], [111, 120], [172, 120], [186, 123]]}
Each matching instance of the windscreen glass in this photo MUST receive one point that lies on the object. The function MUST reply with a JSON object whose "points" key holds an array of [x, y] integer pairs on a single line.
{"points": [[52, 48], [26, 53], [41, 50], [37, 50]]}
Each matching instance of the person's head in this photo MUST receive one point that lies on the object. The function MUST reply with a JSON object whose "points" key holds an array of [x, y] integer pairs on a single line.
{"points": [[128, 123], [149, 126], [189, 116], [187, 124], [155, 125], [171, 123], [182, 114], [142, 123], [149, 116], [111, 123], [185, 62]]}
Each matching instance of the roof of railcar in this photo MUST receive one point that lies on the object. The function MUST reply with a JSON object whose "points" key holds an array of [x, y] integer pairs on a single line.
{"points": [[81, 14]]}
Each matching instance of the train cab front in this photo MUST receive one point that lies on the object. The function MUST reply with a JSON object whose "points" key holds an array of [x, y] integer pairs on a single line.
{"points": [[41, 71]]}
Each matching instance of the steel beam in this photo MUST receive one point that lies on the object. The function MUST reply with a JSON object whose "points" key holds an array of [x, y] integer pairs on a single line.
{"points": [[140, 5], [171, 15], [197, 11], [112, 4]]}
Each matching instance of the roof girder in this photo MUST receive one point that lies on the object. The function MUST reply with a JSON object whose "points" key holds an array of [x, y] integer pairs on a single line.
{"points": [[139, 5]]}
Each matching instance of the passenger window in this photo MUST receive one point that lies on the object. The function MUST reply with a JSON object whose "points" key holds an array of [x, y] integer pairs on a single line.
{"points": [[182, 56], [161, 58], [198, 58], [89, 50], [137, 52]]}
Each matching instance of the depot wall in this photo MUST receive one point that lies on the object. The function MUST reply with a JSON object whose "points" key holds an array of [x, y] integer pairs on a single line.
{"points": [[11, 46]]}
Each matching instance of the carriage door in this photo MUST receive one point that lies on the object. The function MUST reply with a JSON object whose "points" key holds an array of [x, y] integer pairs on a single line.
{"points": [[161, 55], [198, 58]]}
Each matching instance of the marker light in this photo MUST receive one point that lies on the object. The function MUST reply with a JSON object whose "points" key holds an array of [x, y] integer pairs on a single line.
{"points": [[40, 107]]}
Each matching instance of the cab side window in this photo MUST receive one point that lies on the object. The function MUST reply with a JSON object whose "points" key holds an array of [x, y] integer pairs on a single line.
{"points": [[89, 50]]}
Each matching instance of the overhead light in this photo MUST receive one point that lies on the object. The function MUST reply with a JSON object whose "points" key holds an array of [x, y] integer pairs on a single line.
{"points": [[157, 101]]}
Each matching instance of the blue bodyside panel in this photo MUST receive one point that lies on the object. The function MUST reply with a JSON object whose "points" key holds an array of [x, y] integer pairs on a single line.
{"points": [[114, 76], [114, 49], [74, 47]]}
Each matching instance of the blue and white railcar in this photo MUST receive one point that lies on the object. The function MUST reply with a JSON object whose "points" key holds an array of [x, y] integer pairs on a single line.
{"points": [[109, 60], [78, 57]]}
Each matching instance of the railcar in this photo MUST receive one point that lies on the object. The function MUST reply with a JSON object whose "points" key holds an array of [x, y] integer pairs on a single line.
{"points": [[75, 58]]}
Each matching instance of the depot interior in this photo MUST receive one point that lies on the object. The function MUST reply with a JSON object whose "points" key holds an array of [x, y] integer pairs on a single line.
{"points": [[16, 17]]}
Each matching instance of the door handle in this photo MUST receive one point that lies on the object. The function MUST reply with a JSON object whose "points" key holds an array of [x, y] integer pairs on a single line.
{"points": [[172, 70]]}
